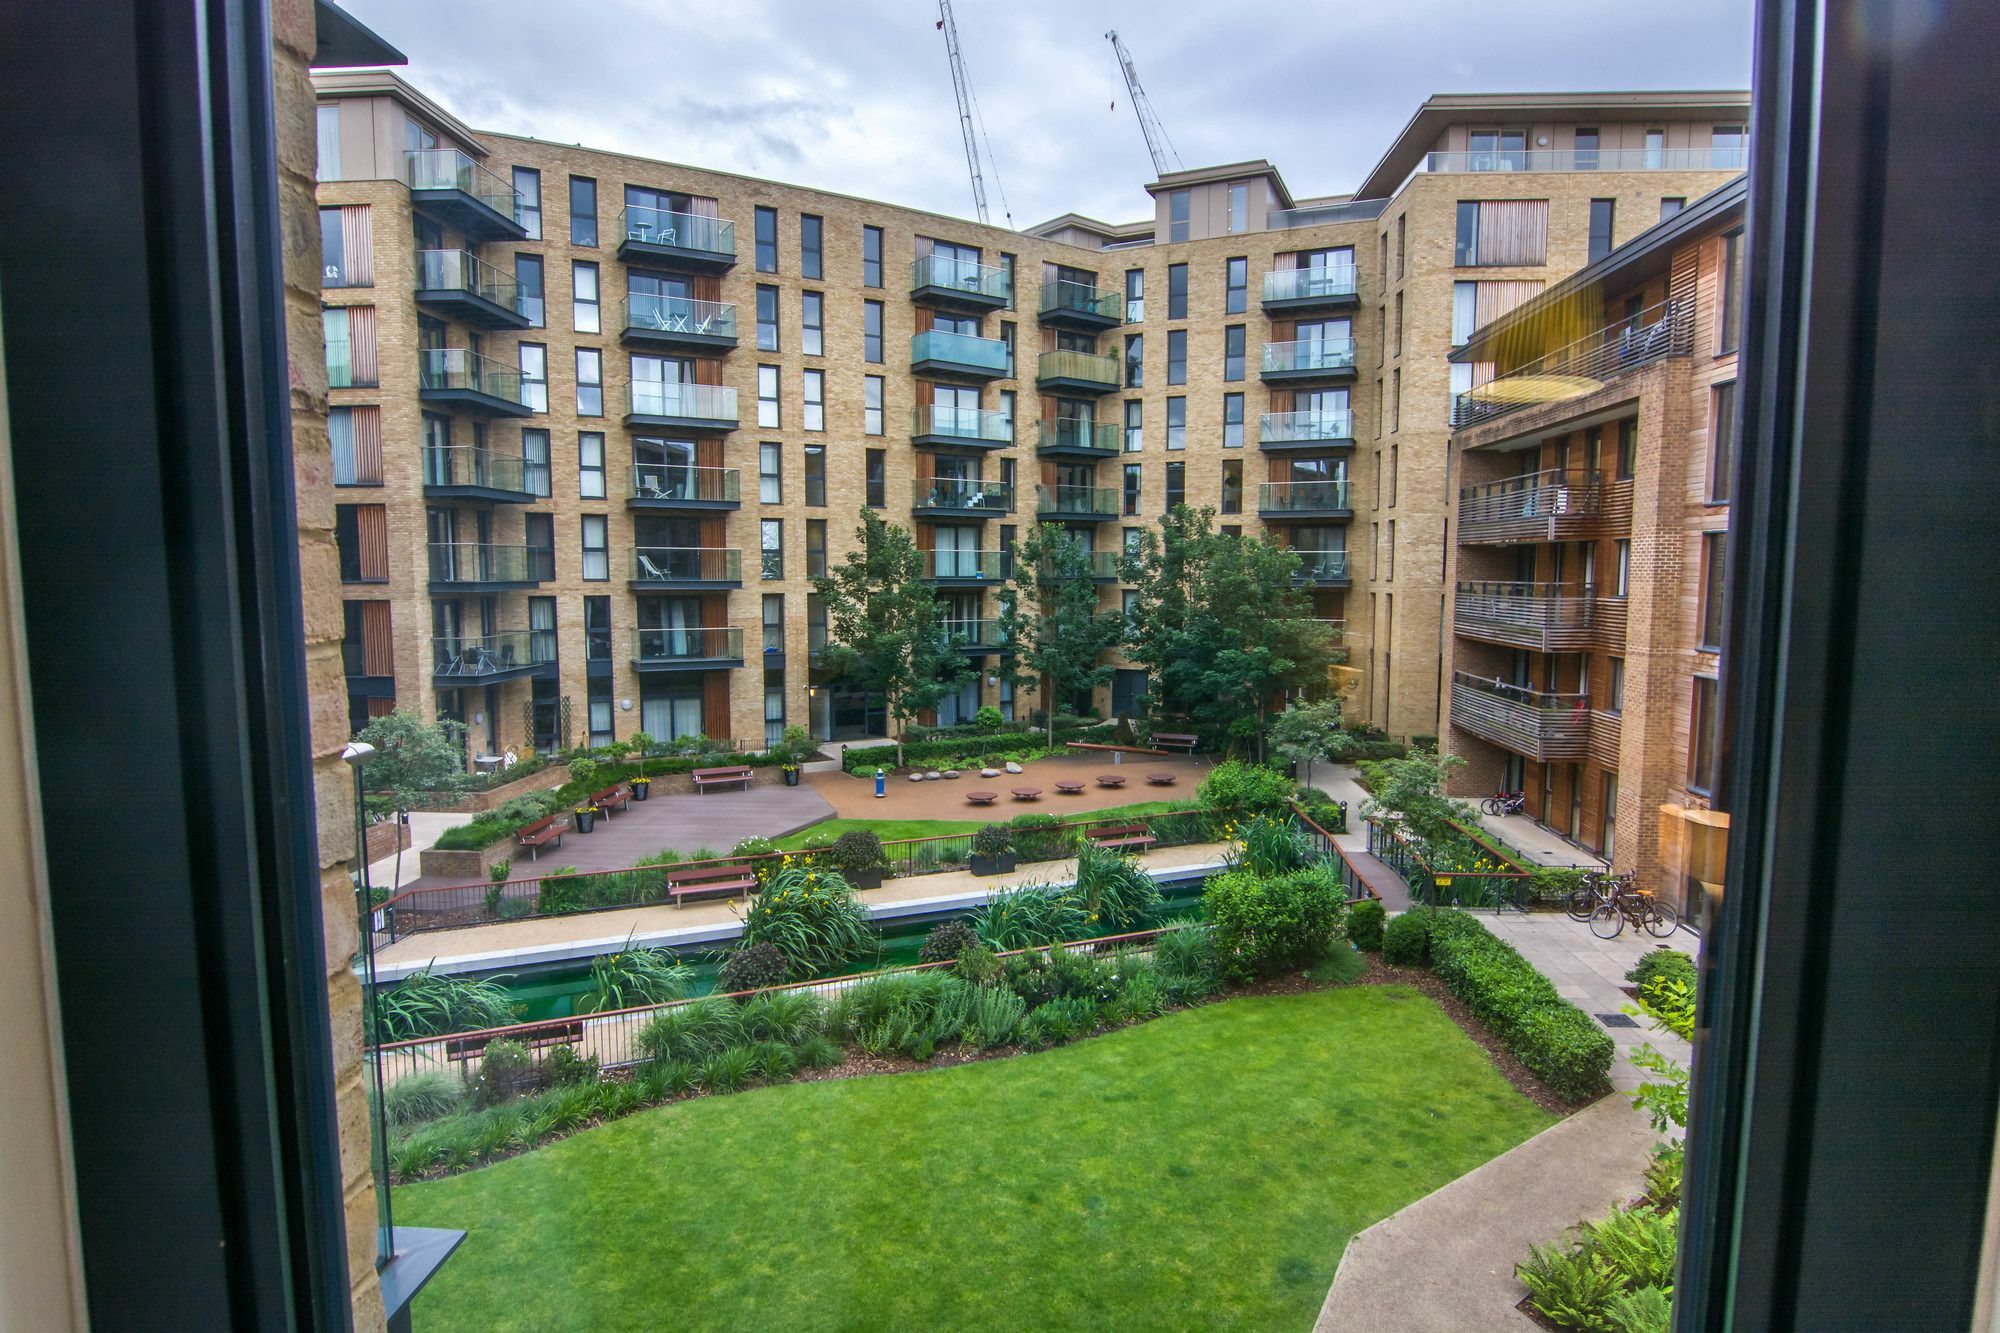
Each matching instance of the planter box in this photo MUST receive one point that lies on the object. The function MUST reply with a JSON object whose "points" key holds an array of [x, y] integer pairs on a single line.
{"points": [[474, 865], [385, 838], [864, 879], [581, 821], [993, 865], [641, 790]]}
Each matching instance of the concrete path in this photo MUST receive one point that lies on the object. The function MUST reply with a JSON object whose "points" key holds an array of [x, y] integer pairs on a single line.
{"points": [[425, 825], [1445, 1264], [1539, 845], [1337, 781]]}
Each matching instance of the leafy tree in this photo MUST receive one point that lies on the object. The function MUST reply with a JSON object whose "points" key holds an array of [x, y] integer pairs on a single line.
{"points": [[886, 631], [1309, 730], [1413, 787], [413, 758], [1048, 614]]}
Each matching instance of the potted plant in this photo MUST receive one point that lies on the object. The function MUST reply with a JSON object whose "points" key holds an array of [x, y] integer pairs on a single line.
{"points": [[642, 786], [859, 857], [992, 850], [586, 817], [792, 750]]}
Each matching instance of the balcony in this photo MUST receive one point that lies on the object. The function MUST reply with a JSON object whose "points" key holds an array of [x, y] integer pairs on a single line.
{"points": [[1278, 432], [661, 237], [458, 378], [467, 472], [960, 355], [1581, 367], [708, 409], [960, 428], [1542, 617], [1589, 159], [1075, 504], [963, 568], [1062, 437], [687, 649], [679, 324], [1308, 359], [698, 568], [1531, 723], [1081, 306], [486, 659], [1548, 506], [958, 285], [465, 287], [978, 638], [488, 567], [678, 486], [1305, 290], [456, 190], [1077, 372], [949, 497], [1295, 500], [1321, 569]]}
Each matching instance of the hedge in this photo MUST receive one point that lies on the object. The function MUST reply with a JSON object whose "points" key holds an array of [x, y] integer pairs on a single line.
{"points": [[1671, 964], [970, 747]]}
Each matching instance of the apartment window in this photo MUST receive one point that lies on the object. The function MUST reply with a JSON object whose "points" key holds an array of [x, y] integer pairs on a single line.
{"points": [[1401, 248], [1232, 485], [1621, 585], [1389, 551], [535, 461], [582, 211], [590, 465], [1232, 421], [1726, 144], [1395, 468], [1617, 673], [1177, 356], [871, 256], [346, 243], [528, 196], [1135, 360], [1177, 291], [1131, 491], [1007, 418], [1135, 295], [1007, 473], [1007, 277], [871, 332], [1722, 441], [1135, 425], [1380, 399], [1585, 156], [1656, 149], [361, 539], [597, 628], [815, 548], [877, 478], [1236, 287], [771, 547], [1730, 325], [1176, 485], [1501, 231], [1395, 400], [534, 363], [871, 404], [1671, 204], [1232, 351], [1398, 336], [1239, 207], [1498, 150], [355, 437], [811, 229], [528, 282], [350, 346], [1628, 448], [812, 323], [1177, 215], [584, 311], [767, 397], [1464, 308], [329, 142], [596, 548], [767, 239], [1176, 423], [1601, 213], [589, 382], [1701, 744], [1007, 341], [1713, 567], [767, 318], [815, 395], [770, 474], [816, 476], [773, 619]]}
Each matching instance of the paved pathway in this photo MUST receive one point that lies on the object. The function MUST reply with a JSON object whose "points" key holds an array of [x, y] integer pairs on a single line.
{"points": [[425, 825], [1337, 781], [854, 798], [1538, 844]]}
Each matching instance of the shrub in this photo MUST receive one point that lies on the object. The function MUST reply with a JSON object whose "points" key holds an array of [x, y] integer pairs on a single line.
{"points": [[857, 851], [992, 840], [692, 1031], [752, 967], [1269, 924], [988, 719], [428, 1004], [566, 1066], [633, 977], [819, 1052], [787, 1016], [1645, 1310], [1570, 1285], [1663, 1175], [1403, 940], [1247, 788], [978, 965], [499, 871], [1059, 1021], [1269, 846], [754, 847], [947, 941], [813, 918], [420, 1097], [505, 1070], [559, 891], [1638, 1243], [1554, 884], [1056, 973], [1026, 916], [1184, 959], [1115, 893], [583, 772], [1364, 924], [730, 1069], [1668, 964], [994, 1015]]}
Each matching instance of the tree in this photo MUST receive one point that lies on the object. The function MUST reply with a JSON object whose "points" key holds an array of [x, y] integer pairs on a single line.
{"points": [[413, 759], [1413, 787], [1048, 616], [886, 631], [1309, 730]]}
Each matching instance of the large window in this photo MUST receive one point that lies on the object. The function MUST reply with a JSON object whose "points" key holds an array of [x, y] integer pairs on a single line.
{"points": [[596, 530], [771, 547], [528, 283], [1176, 485], [1135, 425], [767, 397], [1497, 150], [1232, 421], [1727, 145], [1232, 352], [1177, 215], [876, 478], [534, 363], [329, 142], [585, 316], [1177, 291], [815, 400], [1713, 568], [528, 193], [1502, 231], [1722, 441], [871, 256], [1135, 360], [871, 332], [1729, 304], [767, 318], [1232, 485], [815, 548], [582, 211], [767, 239], [1131, 490], [816, 475], [1702, 739], [535, 462], [345, 244], [1585, 156], [770, 473], [1135, 295], [810, 230], [590, 465], [871, 404], [1176, 423], [1236, 286], [1601, 213], [589, 382], [1177, 356]]}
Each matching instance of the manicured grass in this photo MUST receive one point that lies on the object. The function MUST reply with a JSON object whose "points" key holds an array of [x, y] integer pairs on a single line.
{"points": [[1203, 1170], [889, 829]]}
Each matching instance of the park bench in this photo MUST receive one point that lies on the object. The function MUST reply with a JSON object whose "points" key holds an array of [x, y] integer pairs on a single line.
{"points": [[723, 881], [981, 797], [549, 828], [471, 1046], [704, 778], [619, 794], [1174, 740], [1114, 749], [1118, 836]]}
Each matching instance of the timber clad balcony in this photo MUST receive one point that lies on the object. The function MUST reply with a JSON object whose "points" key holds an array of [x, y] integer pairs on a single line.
{"points": [[1548, 506], [964, 567], [1057, 437], [466, 472], [457, 377], [687, 649], [949, 497], [960, 428], [934, 352], [1280, 431], [705, 408], [1307, 359], [1321, 569], [959, 285], [1076, 504], [1078, 305], [676, 240], [712, 568], [1304, 499], [1532, 723], [1544, 617], [1302, 290], [678, 486], [484, 659], [473, 567], [977, 637], [460, 284], [1581, 367], [1078, 372], [447, 184], [678, 322]]}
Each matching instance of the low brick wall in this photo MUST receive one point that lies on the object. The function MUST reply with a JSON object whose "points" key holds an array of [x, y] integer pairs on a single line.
{"points": [[479, 802], [682, 784], [383, 839], [467, 864]]}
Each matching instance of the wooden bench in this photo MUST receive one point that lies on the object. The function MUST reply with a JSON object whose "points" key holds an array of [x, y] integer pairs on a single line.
{"points": [[563, 1032], [723, 881], [1159, 779], [1118, 836], [981, 797], [1174, 740], [619, 795], [704, 778], [1070, 788], [1110, 779], [549, 828]]}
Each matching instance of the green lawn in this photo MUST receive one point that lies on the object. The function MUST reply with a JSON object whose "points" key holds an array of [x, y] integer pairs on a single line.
{"points": [[889, 829], [1201, 1171]]}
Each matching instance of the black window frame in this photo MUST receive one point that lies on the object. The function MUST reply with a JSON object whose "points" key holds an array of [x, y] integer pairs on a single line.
{"points": [[583, 220], [764, 225]]}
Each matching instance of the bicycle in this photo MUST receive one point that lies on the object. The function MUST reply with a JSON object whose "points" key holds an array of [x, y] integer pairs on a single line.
{"points": [[1598, 888], [1639, 907], [1505, 803]]}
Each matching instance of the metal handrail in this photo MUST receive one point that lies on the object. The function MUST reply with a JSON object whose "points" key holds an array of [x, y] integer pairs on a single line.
{"points": [[1321, 564], [958, 493], [449, 169], [490, 562], [969, 423], [965, 349], [680, 314], [683, 231], [1086, 366], [463, 271], [489, 654], [686, 564], [1077, 499], [960, 275], [1283, 496], [1577, 368], [1548, 701], [686, 643], [681, 481], [1299, 284], [463, 368], [1310, 354], [706, 402], [1589, 159], [1294, 427], [471, 465], [962, 564], [1083, 297], [1071, 433]]}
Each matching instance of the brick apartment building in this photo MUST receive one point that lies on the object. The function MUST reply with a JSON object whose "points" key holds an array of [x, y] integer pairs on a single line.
{"points": [[597, 419], [1584, 583]]}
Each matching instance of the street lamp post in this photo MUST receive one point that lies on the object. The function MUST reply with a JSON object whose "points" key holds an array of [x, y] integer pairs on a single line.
{"points": [[357, 754]]}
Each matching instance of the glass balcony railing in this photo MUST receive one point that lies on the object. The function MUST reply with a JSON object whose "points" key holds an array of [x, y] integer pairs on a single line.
{"points": [[1295, 497], [469, 465], [470, 657], [977, 280], [463, 271], [678, 481], [1096, 501], [679, 314], [961, 351], [457, 368], [963, 423], [695, 402], [1100, 566], [449, 169], [1321, 566], [681, 231], [687, 644], [1309, 354], [687, 564], [976, 634], [1591, 159], [988, 565], [1305, 427], [1099, 437], [951, 493], [1081, 298], [1081, 367], [489, 562], [1309, 284]]}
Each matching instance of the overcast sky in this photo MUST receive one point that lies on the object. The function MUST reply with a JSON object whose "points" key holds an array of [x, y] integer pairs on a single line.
{"points": [[855, 95]]}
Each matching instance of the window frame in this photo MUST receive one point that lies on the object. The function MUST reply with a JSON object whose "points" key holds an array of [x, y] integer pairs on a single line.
{"points": [[578, 304], [765, 220], [602, 549], [583, 223], [812, 244], [524, 211], [586, 469], [592, 357], [871, 255]]}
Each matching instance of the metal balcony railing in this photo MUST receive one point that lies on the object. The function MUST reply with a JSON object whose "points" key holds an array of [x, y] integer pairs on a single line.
{"points": [[1098, 437], [1308, 284], [469, 465], [1082, 298], [687, 644], [1097, 501], [474, 656], [964, 423], [680, 314], [678, 481], [682, 231], [1309, 354], [463, 271], [965, 496], [1590, 159], [987, 565], [449, 169], [687, 564], [462, 368], [976, 634], [1572, 371], [1533, 723], [1085, 367], [490, 562], [981, 280], [1293, 497], [1305, 427], [1321, 566], [1543, 617], [1536, 507], [699, 402]]}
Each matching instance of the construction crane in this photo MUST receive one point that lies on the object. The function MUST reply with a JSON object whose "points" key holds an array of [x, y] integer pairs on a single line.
{"points": [[967, 109], [1157, 142]]}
